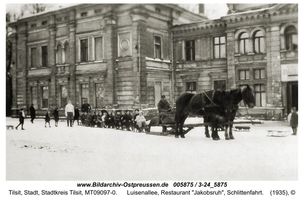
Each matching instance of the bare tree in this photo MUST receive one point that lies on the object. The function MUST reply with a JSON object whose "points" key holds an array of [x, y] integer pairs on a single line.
{"points": [[37, 8]]}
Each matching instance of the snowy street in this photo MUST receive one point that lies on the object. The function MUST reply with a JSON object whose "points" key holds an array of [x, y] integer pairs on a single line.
{"points": [[83, 153]]}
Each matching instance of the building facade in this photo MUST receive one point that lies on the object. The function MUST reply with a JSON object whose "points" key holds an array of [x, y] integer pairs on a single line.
{"points": [[126, 56], [254, 44]]}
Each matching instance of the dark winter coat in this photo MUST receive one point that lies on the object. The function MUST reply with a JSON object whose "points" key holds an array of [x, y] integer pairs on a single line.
{"points": [[85, 108], [294, 120], [76, 112], [47, 117], [56, 115], [163, 105], [21, 116], [32, 112]]}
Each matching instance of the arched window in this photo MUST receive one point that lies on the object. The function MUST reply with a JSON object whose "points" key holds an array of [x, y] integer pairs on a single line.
{"points": [[243, 43], [291, 38], [59, 54], [259, 42], [66, 53]]}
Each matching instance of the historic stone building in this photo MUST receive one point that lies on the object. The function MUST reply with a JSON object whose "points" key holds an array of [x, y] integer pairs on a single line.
{"points": [[254, 44], [128, 55], [117, 55]]}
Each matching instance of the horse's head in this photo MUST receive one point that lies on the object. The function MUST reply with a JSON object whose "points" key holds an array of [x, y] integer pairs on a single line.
{"points": [[248, 97]]}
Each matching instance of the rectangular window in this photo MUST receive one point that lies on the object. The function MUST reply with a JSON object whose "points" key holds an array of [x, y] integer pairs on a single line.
{"points": [[157, 47], [190, 50], [259, 73], [33, 57], [44, 56], [98, 48], [219, 47], [63, 95], [99, 95], [44, 23], [84, 50], [244, 75], [260, 95], [34, 96], [84, 93], [45, 96], [97, 10], [191, 87], [219, 85], [83, 14]]}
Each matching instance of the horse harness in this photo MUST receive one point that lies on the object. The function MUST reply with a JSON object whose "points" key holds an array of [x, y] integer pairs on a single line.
{"points": [[210, 99]]}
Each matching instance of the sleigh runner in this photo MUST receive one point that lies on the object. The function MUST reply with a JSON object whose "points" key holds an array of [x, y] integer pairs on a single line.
{"points": [[169, 123]]}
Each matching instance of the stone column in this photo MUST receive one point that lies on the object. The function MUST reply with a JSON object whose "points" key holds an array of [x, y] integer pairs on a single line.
{"points": [[110, 57], [230, 60], [13, 72], [274, 85], [52, 61], [139, 34], [21, 66], [72, 57]]}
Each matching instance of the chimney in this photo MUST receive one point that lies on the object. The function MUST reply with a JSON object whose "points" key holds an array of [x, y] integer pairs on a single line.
{"points": [[201, 9]]}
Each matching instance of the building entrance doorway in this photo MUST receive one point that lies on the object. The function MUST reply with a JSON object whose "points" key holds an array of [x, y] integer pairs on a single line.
{"points": [[292, 95]]}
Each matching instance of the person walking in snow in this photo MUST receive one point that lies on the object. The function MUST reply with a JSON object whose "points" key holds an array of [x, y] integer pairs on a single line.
{"points": [[294, 120], [76, 114], [47, 119], [21, 119], [32, 113], [69, 113], [56, 116]]}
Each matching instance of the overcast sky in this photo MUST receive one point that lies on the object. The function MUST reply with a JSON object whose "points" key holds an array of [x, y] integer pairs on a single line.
{"points": [[212, 11]]}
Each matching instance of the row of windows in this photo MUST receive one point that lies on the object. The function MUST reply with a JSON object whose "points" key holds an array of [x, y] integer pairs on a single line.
{"points": [[63, 95], [257, 74], [43, 23], [219, 44], [98, 49], [85, 13], [219, 47], [259, 90], [35, 54], [62, 52]]}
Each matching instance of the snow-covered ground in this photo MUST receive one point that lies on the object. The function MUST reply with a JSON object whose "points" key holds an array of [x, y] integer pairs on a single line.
{"points": [[82, 153]]}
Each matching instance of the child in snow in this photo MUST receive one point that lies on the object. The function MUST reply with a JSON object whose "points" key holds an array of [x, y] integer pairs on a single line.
{"points": [[21, 119], [140, 121], [47, 118]]}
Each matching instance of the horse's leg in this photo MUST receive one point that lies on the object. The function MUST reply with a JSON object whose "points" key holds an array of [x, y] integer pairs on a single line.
{"points": [[214, 132], [207, 131], [177, 129], [216, 136], [182, 133], [226, 132], [230, 131]]}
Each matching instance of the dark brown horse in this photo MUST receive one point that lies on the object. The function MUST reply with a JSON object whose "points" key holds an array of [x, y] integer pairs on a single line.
{"points": [[217, 108]]}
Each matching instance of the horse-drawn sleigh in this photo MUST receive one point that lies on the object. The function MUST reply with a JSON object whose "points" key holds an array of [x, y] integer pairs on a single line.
{"points": [[218, 108]]}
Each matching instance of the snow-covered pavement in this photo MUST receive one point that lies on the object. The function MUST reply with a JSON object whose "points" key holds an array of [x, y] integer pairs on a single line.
{"points": [[82, 153]]}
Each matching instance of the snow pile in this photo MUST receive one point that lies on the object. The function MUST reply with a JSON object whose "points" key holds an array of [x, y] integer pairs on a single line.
{"points": [[83, 153]]}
